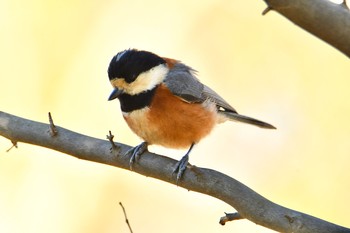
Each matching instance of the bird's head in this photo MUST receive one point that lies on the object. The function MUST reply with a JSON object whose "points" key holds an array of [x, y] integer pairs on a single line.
{"points": [[135, 71]]}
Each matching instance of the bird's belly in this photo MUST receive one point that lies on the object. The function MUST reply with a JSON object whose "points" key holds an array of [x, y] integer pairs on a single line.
{"points": [[173, 124]]}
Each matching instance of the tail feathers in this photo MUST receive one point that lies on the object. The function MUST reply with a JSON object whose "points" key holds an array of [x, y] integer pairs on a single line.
{"points": [[245, 119]]}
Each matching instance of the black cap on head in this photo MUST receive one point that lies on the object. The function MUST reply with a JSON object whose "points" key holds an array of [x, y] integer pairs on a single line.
{"points": [[130, 63]]}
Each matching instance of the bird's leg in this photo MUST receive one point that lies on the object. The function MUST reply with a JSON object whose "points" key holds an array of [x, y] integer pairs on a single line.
{"points": [[136, 153], [180, 166]]}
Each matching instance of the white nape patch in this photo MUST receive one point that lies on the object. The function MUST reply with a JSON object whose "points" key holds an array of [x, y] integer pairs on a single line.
{"points": [[147, 80]]}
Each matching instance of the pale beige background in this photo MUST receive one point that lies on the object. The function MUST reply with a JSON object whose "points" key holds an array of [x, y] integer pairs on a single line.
{"points": [[54, 57]]}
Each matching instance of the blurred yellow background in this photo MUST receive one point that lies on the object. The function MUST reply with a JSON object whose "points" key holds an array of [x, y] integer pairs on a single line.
{"points": [[54, 57]]}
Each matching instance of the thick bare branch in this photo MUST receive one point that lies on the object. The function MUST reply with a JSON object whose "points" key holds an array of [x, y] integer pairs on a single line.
{"points": [[322, 18], [249, 204]]}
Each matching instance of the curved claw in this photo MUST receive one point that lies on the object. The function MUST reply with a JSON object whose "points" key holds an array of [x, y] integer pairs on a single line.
{"points": [[180, 167], [136, 153]]}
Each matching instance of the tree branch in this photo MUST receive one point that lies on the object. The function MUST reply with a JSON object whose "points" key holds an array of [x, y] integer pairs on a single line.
{"points": [[126, 217], [249, 204], [322, 18]]}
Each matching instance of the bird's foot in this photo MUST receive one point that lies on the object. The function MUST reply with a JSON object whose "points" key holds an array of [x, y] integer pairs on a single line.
{"points": [[180, 167], [136, 153]]}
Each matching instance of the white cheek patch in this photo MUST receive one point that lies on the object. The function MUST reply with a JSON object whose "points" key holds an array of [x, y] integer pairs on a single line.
{"points": [[147, 80]]}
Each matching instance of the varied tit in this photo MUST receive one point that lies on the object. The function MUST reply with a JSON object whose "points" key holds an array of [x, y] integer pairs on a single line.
{"points": [[165, 104]]}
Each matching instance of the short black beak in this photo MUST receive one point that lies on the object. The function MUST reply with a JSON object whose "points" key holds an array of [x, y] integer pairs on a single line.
{"points": [[115, 94]]}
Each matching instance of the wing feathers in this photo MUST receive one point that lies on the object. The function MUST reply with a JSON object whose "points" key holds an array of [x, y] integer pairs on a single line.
{"points": [[182, 82], [208, 93]]}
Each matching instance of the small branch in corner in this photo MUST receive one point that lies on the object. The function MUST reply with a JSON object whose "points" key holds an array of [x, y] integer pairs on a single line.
{"points": [[230, 217], [53, 129], [126, 218]]}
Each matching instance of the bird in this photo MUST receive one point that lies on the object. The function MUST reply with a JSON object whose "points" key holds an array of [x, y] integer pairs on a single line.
{"points": [[164, 103]]}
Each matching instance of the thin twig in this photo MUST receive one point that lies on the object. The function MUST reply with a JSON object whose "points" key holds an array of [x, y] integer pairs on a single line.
{"points": [[53, 129], [126, 218], [230, 217], [110, 138], [114, 148], [14, 144], [267, 9]]}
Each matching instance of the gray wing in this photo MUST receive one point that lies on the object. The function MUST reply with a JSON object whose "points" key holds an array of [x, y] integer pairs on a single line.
{"points": [[208, 93], [182, 82]]}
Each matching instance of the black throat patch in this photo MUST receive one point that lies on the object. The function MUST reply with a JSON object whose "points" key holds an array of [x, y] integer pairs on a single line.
{"points": [[129, 103]]}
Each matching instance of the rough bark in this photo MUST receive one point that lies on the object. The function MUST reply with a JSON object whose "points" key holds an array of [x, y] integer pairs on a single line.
{"points": [[248, 203]]}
